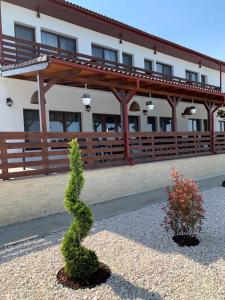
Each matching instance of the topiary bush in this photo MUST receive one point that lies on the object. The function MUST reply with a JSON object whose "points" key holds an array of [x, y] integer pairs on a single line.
{"points": [[80, 263], [184, 210]]}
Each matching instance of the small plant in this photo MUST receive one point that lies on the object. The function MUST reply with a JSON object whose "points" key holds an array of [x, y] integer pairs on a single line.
{"points": [[81, 263], [184, 211]]}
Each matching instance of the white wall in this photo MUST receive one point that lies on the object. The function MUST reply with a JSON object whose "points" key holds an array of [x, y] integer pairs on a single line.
{"points": [[14, 14], [64, 98]]}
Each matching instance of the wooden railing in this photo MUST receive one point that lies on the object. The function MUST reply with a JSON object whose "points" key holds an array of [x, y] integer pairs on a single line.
{"points": [[27, 154], [20, 50], [146, 146]]}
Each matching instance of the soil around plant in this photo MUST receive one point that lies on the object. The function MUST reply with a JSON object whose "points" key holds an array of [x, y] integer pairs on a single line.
{"points": [[186, 240], [99, 277]]}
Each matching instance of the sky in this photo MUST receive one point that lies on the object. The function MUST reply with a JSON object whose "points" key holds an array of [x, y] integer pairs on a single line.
{"points": [[196, 24]]}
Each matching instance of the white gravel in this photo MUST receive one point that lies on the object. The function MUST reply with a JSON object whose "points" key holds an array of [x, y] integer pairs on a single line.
{"points": [[145, 262]]}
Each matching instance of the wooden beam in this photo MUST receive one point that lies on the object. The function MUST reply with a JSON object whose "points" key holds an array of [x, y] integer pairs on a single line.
{"points": [[41, 100], [50, 84]]}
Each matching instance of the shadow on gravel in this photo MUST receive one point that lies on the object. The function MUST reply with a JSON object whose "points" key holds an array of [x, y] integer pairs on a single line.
{"points": [[129, 291]]}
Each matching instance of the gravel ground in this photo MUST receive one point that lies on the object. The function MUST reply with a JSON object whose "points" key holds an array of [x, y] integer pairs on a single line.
{"points": [[145, 262]]}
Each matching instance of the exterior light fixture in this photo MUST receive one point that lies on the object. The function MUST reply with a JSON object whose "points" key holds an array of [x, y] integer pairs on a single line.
{"points": [[150, 104], [120, 38], [155, 50], [86, 98], [193, 110], [200, 64], [9, 102], [145, 112], [88, 108]]}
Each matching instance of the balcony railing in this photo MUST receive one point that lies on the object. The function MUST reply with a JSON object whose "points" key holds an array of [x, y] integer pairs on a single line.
{"points": [[36, 153], [19, 50]]}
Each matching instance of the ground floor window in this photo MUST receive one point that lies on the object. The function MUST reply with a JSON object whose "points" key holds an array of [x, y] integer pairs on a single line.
{"points": [[165, 124], [112, 123], [151, 124], [205, 125], [222, 125], [31, 120], [61, 121], [194, 125]]}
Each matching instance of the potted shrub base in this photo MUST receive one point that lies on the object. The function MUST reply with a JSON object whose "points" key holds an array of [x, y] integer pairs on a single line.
{"points": [[184, 211], [82, 267]]}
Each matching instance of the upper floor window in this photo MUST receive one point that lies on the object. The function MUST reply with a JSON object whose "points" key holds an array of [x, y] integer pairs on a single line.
{"points": [[58, 41], [127, 59], [25, 33], [104, 53], [203, 79], [192, 76], [24, 50], [164, 69], [148, 65], [194, 125]]}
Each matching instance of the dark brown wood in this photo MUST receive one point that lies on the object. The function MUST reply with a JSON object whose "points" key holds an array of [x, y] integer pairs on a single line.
{"points": [[1, 37], [173, 102]]}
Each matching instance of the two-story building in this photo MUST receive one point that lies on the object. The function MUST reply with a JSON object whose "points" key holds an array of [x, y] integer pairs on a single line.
{"points": [[148, 98]]}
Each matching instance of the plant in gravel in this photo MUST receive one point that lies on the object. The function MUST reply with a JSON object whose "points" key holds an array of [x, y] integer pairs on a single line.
{"points": [[184, 210], [80, 263]]}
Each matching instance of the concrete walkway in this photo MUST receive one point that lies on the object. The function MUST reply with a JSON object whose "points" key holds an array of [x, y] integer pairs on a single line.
{"points": [[39, 227]]}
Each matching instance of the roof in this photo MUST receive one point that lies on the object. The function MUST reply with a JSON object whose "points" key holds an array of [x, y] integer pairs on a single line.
{"points": [[53, 66], [80, 16]]}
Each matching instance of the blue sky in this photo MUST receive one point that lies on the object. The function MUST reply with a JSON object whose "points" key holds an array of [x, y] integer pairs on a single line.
{"points": [[197, 24]]}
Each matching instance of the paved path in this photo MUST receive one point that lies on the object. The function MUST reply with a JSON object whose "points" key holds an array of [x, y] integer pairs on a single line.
{"points": [[39, 227]]}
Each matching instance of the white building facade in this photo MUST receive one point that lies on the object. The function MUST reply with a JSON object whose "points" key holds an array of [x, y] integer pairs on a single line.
{"points": [[22, 22]]}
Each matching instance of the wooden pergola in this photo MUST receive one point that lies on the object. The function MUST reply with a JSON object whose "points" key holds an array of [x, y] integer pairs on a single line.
{"points": [[49, 70]]}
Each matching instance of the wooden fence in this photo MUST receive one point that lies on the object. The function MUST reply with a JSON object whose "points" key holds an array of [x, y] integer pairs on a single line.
{"points": [[28, 154]]}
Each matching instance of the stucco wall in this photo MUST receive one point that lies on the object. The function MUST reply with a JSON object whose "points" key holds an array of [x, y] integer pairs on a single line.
{"points": [[29, 198], [63, 98]]}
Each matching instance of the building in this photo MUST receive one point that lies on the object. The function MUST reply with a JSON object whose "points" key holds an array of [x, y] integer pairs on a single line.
{"points": [[51, 49]]}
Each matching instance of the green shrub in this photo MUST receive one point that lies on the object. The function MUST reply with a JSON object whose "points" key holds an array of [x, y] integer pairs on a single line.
{"points": [[81, 263]]}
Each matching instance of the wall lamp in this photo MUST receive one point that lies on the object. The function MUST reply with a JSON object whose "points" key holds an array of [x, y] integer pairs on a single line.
{"points": [[88, 108], [145, 112], [9, 102], [189, 111]]}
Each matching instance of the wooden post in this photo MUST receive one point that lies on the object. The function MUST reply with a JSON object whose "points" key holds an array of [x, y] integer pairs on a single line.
{"points": [[42, 89], [3, 148], [173, 102], [124, 98], [211, 108]]}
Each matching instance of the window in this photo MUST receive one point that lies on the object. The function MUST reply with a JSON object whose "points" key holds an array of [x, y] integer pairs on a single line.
{"points": [[151, 124], [112, 123], [148, 65], [192, 76], [205, 125], [64, 121], [58, 41], [127, 59], [104, 53], [165, 124], [164, 69], [222, 125], [28, 34], [31, 120], [194, 125], [106, 123], [133, 123], [203, 79]]}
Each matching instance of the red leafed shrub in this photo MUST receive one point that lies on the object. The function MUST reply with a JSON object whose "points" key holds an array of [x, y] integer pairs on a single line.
{"points": [[184, 211]]}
